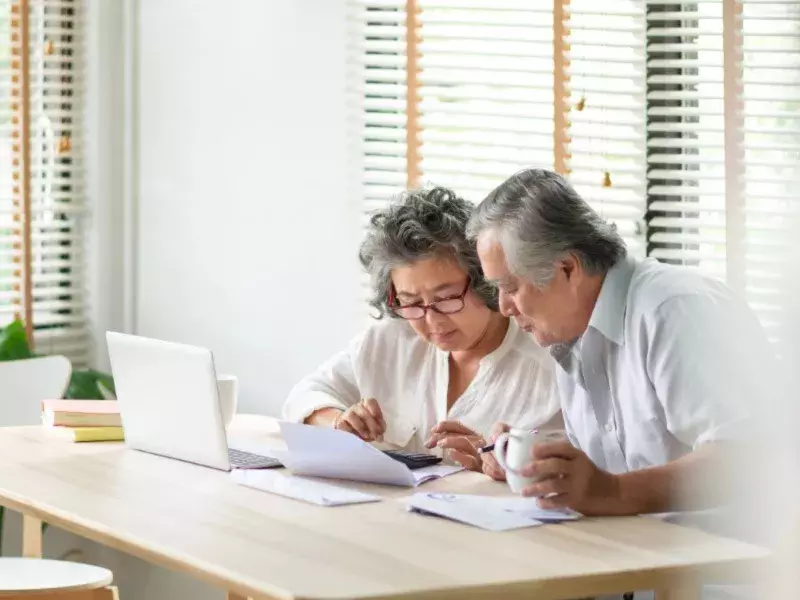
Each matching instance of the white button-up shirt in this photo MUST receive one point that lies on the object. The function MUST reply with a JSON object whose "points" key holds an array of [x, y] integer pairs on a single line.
{"points": [[671, 359], [409, 379]]}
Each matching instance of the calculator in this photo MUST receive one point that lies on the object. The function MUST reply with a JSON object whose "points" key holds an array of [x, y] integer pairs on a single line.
{"points": [[413, 460]]}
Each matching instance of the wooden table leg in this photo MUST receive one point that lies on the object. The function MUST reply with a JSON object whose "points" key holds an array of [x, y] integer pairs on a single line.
{"points": [[679, 592], [235, 596], [31, 537]]}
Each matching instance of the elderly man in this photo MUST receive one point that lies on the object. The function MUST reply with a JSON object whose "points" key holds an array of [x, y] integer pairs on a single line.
{"points": [[659, 365]]}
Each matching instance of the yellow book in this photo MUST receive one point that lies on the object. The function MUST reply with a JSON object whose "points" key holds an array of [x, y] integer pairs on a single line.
{"points": [[91, 434]]}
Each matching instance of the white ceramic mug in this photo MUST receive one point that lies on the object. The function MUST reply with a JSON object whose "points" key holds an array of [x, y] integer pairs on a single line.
{"points": [[513, 450], [228, 391]]}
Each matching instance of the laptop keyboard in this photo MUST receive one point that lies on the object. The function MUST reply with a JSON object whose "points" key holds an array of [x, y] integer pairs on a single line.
{"points": [[247, 460]]}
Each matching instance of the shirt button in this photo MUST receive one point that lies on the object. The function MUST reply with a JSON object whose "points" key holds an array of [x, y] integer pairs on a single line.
{"points": [[609, 427]]}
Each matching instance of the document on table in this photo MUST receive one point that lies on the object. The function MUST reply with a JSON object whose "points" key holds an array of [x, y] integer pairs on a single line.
{"points": [[315, 492], [324, 452], [488, 512]]}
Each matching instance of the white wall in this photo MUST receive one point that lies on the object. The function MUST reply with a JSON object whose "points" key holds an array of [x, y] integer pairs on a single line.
{"points": [[103, 134], [247, 238]]}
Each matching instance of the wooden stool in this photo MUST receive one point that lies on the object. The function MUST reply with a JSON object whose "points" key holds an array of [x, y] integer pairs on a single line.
{"points": [[41, 579]]}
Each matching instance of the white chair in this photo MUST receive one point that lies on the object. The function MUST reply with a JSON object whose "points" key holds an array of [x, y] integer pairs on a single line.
{"points": [[25, 383], [42, 579]]}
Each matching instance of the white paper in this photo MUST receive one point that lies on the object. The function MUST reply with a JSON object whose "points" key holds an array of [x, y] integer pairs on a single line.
{"points": [[488, 512], [315, 492], [529, 507], [324, 452], [434, 472]]}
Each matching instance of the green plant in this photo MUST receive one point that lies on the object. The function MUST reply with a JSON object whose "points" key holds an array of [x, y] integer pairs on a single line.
{"points": [[84, 384]]}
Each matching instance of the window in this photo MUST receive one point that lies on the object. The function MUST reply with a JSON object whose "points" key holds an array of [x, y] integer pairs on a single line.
{"points": [[678, 121], [41, 202]]}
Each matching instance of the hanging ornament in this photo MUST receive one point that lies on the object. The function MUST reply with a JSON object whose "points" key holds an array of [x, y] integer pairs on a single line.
{"points": [[64, 144], [606, 179], [49, 48]]}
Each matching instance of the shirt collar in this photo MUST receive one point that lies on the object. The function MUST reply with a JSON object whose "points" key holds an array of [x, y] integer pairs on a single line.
{"points": [[509, 339], [608, 316]]}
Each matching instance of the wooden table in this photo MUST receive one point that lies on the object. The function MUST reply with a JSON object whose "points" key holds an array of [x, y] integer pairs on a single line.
{"points": [[196, 520]]}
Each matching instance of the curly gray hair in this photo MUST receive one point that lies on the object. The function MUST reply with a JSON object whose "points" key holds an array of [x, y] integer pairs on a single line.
{"points": [[417, 226]]}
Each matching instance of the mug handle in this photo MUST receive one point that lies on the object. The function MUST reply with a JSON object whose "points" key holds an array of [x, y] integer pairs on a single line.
{"points": [[500, 445]]}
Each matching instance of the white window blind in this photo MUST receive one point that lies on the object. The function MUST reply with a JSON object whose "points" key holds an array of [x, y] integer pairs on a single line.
{"points": [[378, 81], [377, 89], [679, 121], [724, 138], [686, 134], [55, 252], [486, 91], [770, 121], [607, 86], [491, 79]]}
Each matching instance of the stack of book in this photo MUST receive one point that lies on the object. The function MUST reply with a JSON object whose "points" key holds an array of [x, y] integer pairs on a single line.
{"points": [[83, 420]]}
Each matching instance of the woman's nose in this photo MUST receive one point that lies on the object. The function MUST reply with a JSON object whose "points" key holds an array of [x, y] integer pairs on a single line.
{"points": [[433, 318]]}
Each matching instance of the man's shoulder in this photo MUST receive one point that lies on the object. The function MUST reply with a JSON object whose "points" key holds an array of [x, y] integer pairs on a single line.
{"points": [[654, 284]]}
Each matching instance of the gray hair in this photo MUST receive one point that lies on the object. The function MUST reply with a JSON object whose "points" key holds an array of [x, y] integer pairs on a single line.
{"points": [[417, 226], [538, 219]]}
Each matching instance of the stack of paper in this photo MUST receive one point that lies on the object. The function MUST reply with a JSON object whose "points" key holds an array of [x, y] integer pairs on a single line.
{"points": [[315, 492], [488, 512], [323, 452]]}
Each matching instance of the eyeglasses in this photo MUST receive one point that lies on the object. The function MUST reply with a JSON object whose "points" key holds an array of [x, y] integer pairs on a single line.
{"points": [[445, 306]]}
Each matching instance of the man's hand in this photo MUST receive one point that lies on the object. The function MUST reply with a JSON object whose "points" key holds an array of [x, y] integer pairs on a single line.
{"points": [[568, 479]]}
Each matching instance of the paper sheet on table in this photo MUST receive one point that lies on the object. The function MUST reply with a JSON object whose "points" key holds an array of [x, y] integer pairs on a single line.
{"points": [[324, 452], [315, 492], [488, 512]]}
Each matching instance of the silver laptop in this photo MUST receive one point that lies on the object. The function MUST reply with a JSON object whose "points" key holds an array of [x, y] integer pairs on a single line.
{"points": [[169, 403]]}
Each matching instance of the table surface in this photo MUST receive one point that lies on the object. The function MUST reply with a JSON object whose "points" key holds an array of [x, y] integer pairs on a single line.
{"points": [[196, 520]]}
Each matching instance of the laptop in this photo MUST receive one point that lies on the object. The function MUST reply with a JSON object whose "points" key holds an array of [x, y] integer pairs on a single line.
{"points": [[169, 404]]}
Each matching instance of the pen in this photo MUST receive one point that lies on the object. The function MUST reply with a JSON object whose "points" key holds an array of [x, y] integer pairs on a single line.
{"points": [[490, 447]]}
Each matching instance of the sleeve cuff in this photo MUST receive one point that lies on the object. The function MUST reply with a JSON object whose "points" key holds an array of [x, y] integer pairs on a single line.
{"points": [[298, 409]]}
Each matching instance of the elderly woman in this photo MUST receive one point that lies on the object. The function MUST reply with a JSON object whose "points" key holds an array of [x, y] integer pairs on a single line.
{"points": [[446, 365]]}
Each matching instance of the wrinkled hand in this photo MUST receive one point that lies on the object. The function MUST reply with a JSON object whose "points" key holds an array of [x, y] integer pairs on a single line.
{"points": [[364, 419], [459, 443], [572, 478], [490, 465]]}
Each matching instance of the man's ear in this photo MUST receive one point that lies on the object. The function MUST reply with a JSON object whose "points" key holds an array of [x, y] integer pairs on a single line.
{"points": [[570, 266]]}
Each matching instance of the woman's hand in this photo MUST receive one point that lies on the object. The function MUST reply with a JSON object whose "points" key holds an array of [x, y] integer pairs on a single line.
{"points": [[364, 419], [459, 442]]}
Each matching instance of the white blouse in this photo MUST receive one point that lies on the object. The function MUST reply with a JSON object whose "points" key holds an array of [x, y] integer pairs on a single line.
{"points": [[409, 378]]}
